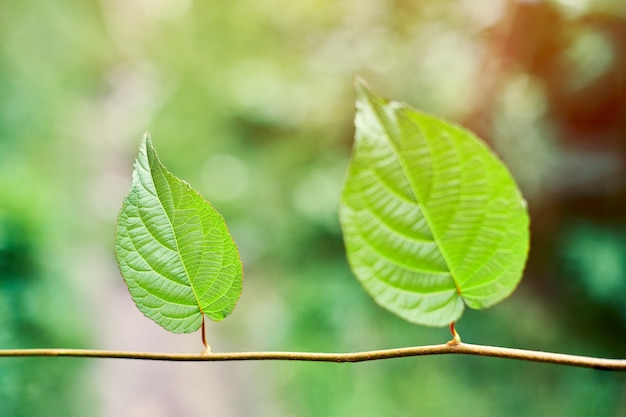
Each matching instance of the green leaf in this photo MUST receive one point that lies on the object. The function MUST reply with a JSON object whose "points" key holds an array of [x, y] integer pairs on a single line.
{"points": [[432, 219], [174, 249]]}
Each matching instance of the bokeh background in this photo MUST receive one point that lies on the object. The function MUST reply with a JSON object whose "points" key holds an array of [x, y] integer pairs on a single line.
{"points": [[251, 101]]}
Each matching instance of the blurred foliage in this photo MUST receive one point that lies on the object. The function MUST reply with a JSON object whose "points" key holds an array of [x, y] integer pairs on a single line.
{"points": [[595, 255], [30, 317], [252, 103]]}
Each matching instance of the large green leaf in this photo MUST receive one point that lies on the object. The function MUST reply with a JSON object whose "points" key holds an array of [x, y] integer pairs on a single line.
{"points": [[432, 219], [174, 250]]}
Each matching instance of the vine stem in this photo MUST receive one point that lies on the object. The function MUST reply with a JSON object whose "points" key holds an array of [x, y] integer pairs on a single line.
{"points": [[458, 348]]}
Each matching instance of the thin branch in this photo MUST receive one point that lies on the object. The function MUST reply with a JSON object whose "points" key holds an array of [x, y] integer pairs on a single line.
{"points": [[449, 348]]}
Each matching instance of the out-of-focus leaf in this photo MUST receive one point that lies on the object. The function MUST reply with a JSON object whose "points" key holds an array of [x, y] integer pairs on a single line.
{"points": [[174, 249], [432, 219]]}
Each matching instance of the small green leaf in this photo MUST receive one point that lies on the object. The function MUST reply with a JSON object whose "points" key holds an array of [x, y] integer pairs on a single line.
{"points": [[174, 249], [432, 220]]}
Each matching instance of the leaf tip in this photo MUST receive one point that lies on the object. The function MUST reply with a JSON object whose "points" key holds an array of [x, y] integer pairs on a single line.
{"points": [[366, 96], [362, 87], [145, 140], [359, 82]]}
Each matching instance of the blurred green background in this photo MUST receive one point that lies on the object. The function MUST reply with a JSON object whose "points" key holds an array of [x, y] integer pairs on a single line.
{"points": [[252, 103]]}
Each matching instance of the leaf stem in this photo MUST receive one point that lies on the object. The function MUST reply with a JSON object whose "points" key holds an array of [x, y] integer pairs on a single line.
{"points": [[456, 337], [207, 348], [458, 349]]}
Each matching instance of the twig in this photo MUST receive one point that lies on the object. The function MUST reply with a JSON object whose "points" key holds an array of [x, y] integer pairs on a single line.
{"points": [[450, 348]]}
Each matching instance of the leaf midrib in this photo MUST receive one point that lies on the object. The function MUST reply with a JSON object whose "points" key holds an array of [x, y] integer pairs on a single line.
{"points": [[396, 114], [164, 172]]}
